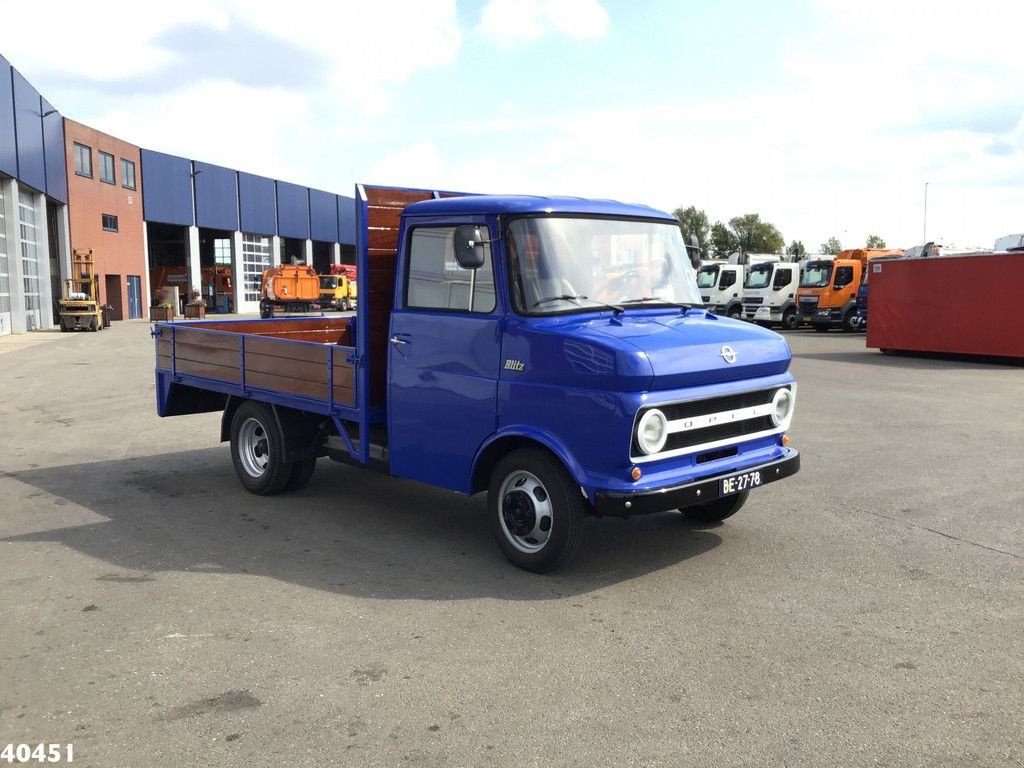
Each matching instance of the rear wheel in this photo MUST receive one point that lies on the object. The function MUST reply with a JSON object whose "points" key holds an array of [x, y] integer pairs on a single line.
{"points": [[266, 310], [257, 449], [536, 510], [717, 510]]}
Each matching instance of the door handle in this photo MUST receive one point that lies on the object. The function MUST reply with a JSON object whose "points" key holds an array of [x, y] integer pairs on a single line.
{"points": [[396, 340]]}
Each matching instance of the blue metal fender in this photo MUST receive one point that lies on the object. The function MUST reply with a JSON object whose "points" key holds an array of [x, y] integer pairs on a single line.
{"points": [[485, 460]]}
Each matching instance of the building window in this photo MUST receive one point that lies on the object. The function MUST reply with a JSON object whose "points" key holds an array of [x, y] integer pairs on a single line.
{"points": [[127, 174], [83, 160], [29, 258], [107, 168], [109, 223], [222, 251], [5, 280], [255, 259]]}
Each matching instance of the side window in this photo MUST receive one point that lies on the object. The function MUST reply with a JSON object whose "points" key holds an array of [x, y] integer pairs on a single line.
{"points": [[728, 279], [844, 276], [782, 278], [436, 281]]}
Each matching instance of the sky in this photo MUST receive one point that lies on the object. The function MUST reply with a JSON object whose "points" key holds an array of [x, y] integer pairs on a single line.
{"points": [[828, 118]]}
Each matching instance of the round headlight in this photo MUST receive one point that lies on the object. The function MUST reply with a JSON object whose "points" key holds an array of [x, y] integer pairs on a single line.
{"points": [[782, 407], [652, 431]]}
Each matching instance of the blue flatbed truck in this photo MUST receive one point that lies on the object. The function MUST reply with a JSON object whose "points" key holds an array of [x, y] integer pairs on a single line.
{"points": [[498, 347]]}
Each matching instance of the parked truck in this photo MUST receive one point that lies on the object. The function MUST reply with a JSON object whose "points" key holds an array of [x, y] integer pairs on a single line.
{"points": [[721, 287], [827, 295], [338, 291], [769, 294], [292, 288], [480, 361]]}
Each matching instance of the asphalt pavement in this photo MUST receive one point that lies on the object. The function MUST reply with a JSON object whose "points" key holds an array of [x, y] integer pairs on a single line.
{"points": [[868, 611]]}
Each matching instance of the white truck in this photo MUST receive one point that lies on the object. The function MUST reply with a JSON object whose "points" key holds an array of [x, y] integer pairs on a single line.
{"points": [[721, 287], [769, 294]]}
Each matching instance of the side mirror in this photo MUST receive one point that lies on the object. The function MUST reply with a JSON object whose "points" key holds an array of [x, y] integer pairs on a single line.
{"points": [[469, 241], [693, 249]]}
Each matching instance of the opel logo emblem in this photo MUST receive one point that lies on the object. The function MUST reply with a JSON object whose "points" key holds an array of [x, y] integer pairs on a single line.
{"points": [[728, 354]]}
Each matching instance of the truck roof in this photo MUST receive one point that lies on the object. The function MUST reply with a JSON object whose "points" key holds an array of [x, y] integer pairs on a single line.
{"points": [[527, 204]]}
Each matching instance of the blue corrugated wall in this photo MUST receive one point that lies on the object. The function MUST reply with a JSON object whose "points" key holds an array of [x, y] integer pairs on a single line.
{"points": [[8, 142], [216, 196], [53, 153], [166, 188], [323, 216], [257, 198], [292, 210], [29, 127]]}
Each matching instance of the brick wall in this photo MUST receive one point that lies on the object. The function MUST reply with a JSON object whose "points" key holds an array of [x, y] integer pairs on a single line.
{"points": [[120, 253]]}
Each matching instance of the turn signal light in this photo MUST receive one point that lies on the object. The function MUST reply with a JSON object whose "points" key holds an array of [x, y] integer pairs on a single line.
{"points": [[636, 474], [785, 440]]}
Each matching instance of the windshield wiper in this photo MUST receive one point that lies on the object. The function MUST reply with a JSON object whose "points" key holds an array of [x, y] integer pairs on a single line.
{"points": [[643, 300], [576, 299]]}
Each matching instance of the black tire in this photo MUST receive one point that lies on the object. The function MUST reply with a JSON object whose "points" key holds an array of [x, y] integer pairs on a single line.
{"points": [[821, 328], [790, 321], [257, 448], [63, 328], [345, 306], [717, 510], [93, 325], [528, 487], [266, 310], [848, 322], [735, 313], [302, 471]]}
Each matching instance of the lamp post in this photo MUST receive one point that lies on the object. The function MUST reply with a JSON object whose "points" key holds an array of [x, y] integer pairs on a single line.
{"points": [[924, 234]]}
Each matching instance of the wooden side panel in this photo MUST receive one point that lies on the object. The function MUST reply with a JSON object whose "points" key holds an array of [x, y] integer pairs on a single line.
{"points": [[384, 214]]}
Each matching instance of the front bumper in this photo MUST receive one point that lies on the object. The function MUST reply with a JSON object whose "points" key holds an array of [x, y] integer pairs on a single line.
{"points": [[698, 491]]}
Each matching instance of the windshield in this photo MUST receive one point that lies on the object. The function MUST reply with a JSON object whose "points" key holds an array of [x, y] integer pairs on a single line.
{"points": [[328, 282], [707, 276], [579, 264], [759, 276], [816, 274]]}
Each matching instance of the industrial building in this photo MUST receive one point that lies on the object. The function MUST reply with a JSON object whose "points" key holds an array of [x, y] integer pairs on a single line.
{"points": [[158, 225]]}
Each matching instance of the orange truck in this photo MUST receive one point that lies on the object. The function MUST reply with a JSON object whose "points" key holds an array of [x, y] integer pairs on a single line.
{"points": [[289, 288], [827, 296]]}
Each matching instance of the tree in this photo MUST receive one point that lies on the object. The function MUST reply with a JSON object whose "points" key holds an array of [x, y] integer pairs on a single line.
{"points": [[796, 248], [874, 241], [756, 236], [694, 222], [832, 247], [723, 242]]}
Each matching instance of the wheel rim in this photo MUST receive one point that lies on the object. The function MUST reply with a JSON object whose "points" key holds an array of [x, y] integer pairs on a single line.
{"points": [[253, 447], [525, 512]]}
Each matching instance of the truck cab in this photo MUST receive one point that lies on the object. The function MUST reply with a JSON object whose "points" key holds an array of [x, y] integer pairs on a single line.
{"points": [[827, 296], [769, 294], [721, 287], [550, 352]]}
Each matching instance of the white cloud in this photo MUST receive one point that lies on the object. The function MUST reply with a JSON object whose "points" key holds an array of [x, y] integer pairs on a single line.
{"points": [[511, 21]]}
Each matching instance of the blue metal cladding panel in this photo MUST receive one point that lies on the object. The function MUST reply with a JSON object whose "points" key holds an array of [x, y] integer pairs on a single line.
{"points": [[346, 220], [167, 191], [257, 197], [216, 196], [323, 216], [292, 210], [8, 143], [28, 125], [53, 151]]}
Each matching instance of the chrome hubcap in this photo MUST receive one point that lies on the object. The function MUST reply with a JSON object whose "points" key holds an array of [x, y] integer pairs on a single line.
{"points": [[253, 447], [525, 512]]}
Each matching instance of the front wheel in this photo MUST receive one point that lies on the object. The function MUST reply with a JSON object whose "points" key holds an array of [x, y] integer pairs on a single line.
{"points": [[848, 326], [536, 510], [735, 313], [257, 449], [717, 510], [789, 320]]}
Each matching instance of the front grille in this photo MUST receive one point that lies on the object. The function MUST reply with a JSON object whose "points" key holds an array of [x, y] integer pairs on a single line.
{"points": [[753, 300], [703, 425], [807, 303]]}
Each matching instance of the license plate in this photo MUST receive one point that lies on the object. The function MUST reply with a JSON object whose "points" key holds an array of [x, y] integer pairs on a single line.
{"points": [[744, 481]]}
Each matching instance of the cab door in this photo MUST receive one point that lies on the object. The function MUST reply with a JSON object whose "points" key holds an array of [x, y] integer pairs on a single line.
{"points": [[443, 361]]}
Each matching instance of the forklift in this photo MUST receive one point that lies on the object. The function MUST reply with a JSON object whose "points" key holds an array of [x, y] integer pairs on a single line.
{"points": [[80, 307]]}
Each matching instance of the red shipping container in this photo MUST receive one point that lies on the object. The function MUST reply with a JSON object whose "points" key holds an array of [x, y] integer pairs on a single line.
{"points": [[956, 304]]}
